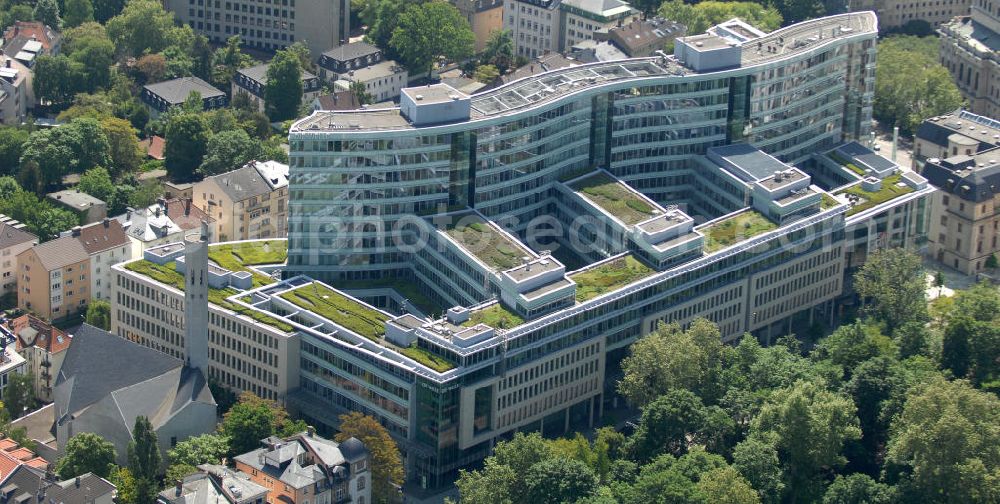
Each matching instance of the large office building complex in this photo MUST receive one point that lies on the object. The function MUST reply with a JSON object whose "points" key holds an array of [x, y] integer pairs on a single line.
{"points": [[465, 267]]}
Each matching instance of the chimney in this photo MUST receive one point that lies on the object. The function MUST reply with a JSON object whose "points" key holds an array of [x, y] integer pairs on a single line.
{"points": [[7, 62], [311, 431], [77, 482], [178, 487], [187, 207], [107, 222], [75, 231]]}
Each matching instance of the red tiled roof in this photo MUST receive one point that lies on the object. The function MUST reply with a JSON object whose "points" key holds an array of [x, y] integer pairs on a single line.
{"points": [[185, 214], [22, 453], [154, 146], [32, 30], [101, 236], [8, 465], [46, 337], [7, 444], [37, 463]]}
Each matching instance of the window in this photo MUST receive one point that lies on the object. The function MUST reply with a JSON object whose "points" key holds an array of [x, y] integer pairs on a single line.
{"points": [[361, 483]]}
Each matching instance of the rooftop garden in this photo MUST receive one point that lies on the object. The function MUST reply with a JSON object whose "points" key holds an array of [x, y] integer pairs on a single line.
{"points": [[888, 192], [735, 229], [615, 198], [487, 244], [827, 202], [167, 274], [406, 288], [237, 256], [609, 277], [338, 308], [495, 316], [427, 358]]}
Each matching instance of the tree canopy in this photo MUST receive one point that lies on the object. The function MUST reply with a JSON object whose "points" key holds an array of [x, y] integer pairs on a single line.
{"points": [[284, 86], [386, 463], [910, 83], [429, 31], [86, 452]]}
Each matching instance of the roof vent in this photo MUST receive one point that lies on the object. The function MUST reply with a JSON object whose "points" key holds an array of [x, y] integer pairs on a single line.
{"points": [[419, 97]]}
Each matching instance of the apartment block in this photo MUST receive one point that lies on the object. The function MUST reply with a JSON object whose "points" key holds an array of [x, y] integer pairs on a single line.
{"points": [[960, 154], [484, 17], [268, 24], [166, 221], [541, 26], [581, 18], [161, 96], [894, 14], [246, 203], [43, 348], [252, 83], [54, 279], [106, 244], [13, 240], [16, 94], [970, 46]]}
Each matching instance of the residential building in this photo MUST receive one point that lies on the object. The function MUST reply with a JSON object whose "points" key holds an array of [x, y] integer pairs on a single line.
{"points": [[580, 19], [895, 14], [960, 154], [13, 455], [970, 49], [11, 362], [340, 100], [346, 57], [161, 96], [106, 244], [252, 83], [53, 279], [166, 221], [88, 208], [26, 40], [176, 190], [43, 348], [643, 37], [27, 483], [13, 240], [16, 94], [306, 467], [429, 300], [383, 80], [106, 382], [484, 17], [246, 203], [534, 26], [319, 24], [214, 484], [153, 146]]}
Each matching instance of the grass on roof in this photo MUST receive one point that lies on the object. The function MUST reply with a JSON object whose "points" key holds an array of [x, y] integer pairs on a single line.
{"points": [[888, 192], [167, 274], [614, 198], [237, 256], [846, 163], [427, 358], [487, 244], [338, 308], [495, 316], [736, 229], [406, 288], [827, 202], [609, 277]]}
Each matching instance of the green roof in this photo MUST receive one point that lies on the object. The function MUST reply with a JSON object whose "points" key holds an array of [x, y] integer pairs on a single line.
{"points": [[427, 358], [495, 316], [485, 242], [889, 191], [735, 229], [609, 277], [237, 256], [614, 198], [338, 308]]}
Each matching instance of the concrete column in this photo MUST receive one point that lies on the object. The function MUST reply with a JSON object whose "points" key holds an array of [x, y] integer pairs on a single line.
{"points": [[196, 300]]}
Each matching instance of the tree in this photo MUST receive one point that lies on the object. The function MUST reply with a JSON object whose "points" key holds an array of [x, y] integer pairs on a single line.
{"points": [[559, 480], [487, 74], [893, 282], [152, 67], [86, 452], [47, 11], [78, 12], [944, 444], [197, 450], [19, 394], [361, 93], [386, 19], [144, 459], [992, 262], [725, 485], [857, 489], [97, 183], [187, 138], [123, 145], [850, 345], [145, 194], [757, 460], [430, 31], [499, 50], [55, 78], [229, 150], [99, 314], [12, 142], [283, 92], [939, 281], [700, 16], [125, 485], [795, 11], [667, 424], [386, 464], [971, 340], [246, 423], [144, 27], [673, 358], [107, 9], [809, 426], [177, 472], [910, 83]]}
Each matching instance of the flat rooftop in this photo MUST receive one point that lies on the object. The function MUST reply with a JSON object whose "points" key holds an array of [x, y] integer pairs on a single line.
{"points": [[615, 198], [485, 242], [748, 163], [609, 276], [867, 156], [533, 268], [788, 176], [433, 93], [735, 228]]}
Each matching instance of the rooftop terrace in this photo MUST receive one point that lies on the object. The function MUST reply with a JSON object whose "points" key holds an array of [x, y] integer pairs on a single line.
{"points": [[485, 242], [892, 188], [734, 229], [339, 309], [615, 198], [609, 276]]}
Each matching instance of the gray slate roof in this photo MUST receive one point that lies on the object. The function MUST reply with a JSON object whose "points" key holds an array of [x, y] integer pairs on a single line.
{"points": [[60, 252], [259, 73], [177, 90], [242, 183], [350, 51], [27, 480], [10, 236], [94, 374]]}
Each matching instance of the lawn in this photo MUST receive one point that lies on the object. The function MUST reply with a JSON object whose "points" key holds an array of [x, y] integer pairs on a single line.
{"points": [[889, 191], [166, 274], [495, 316], [338, 308], [487, 244], [736, 229], [609, 277], [425, 357], [236, 257], [614, 198], [827, 202]]}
